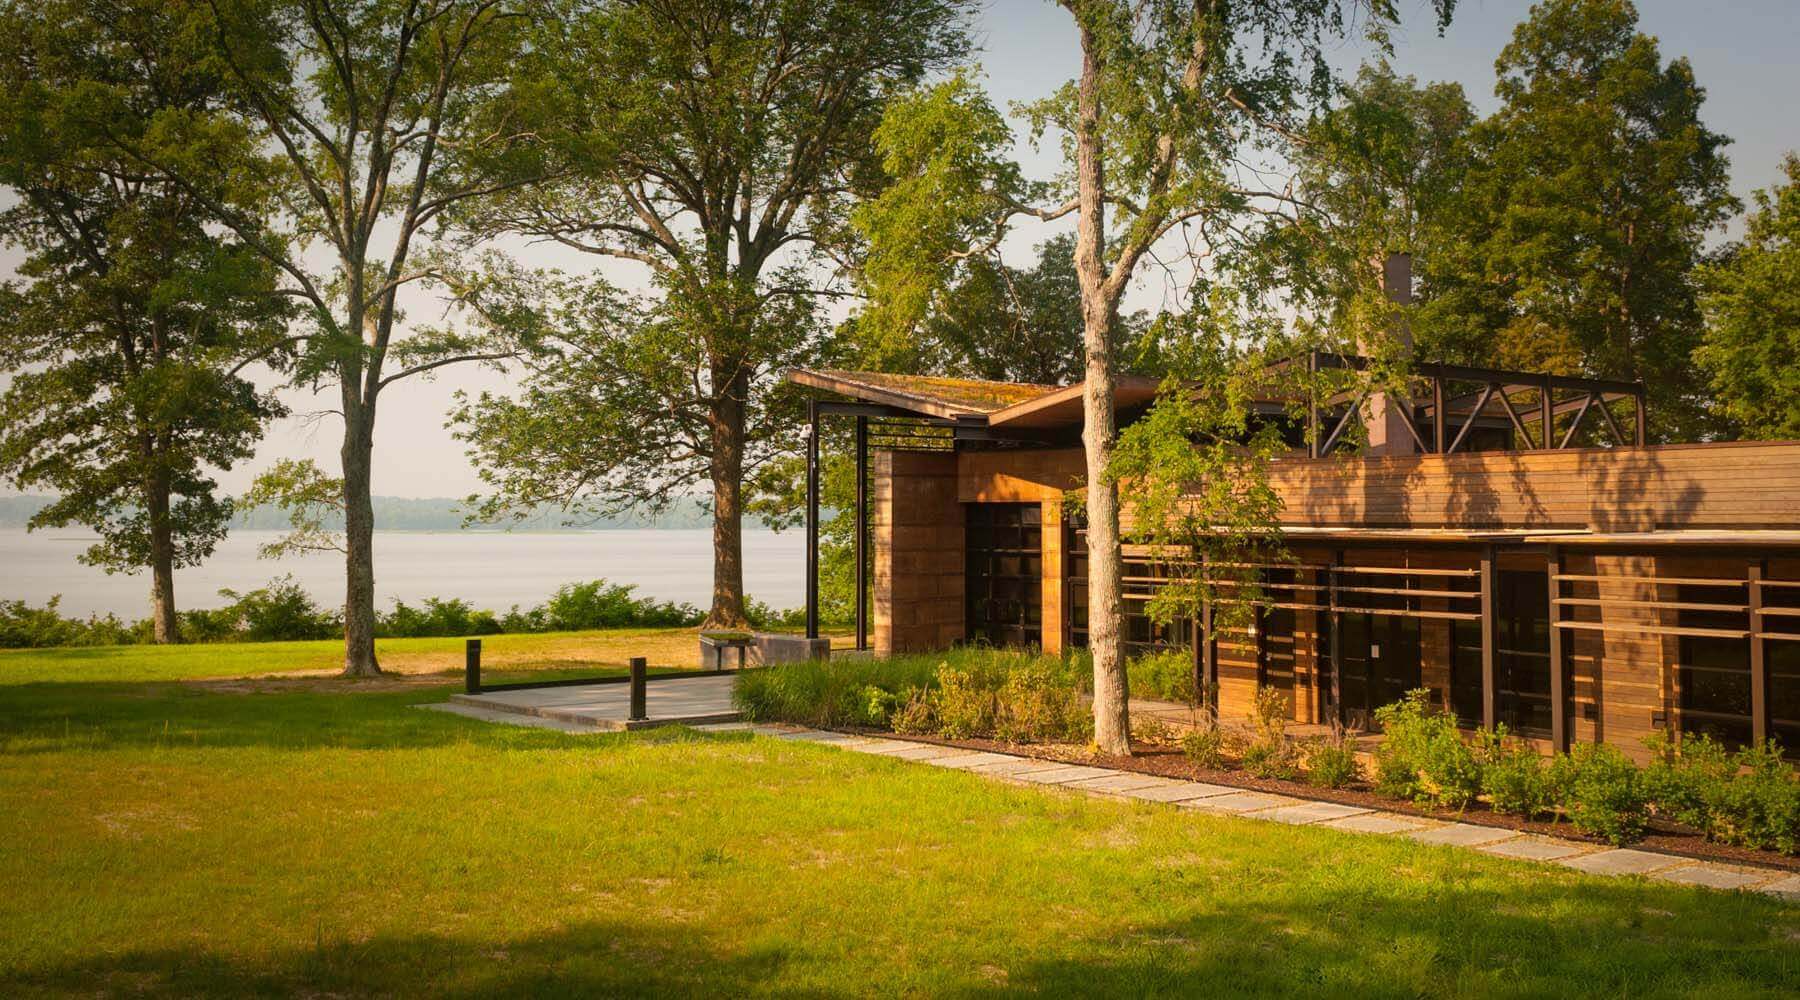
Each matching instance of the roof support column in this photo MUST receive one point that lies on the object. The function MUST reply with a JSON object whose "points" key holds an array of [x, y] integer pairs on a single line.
{"points": [[1559, 682], [1489, 635], [1759, 668], [862, 532], [1336, 618], [1546, 416], [812, 519]]}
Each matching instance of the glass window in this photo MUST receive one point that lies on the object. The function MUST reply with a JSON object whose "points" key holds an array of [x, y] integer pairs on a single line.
{"points": [[1713, 672]]}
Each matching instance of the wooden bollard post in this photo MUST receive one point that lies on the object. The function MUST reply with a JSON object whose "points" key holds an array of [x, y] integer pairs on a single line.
{"points": [[639, 677], [472, 666]]}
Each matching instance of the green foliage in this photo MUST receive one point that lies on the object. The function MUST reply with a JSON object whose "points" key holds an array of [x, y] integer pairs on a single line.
{"points": [[1752, 306], [26, 627], [1270, 754], [281, 610], [598, 604], [1514, 776], [1164, 675], [438, 617], [1594, 189], [832, 693], [727, 213], [1332, 763], [966, 704], [1205, 747], [1038, 703], [1601, 792], [309, 499], [916, 715], [1423, 756], [1750, 798], [130, 318], [1686, 778]]}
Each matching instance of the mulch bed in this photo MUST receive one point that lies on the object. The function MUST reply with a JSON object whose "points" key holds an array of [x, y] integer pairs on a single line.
{"points": [[1170, 762]]}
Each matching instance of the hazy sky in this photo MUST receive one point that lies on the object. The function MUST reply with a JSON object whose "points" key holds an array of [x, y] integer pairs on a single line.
{"points": [[1743, 53]]}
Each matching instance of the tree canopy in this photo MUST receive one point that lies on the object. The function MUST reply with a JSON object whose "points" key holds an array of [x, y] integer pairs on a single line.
{"points": [[717, 146], [1752, 304], [132, 321]]}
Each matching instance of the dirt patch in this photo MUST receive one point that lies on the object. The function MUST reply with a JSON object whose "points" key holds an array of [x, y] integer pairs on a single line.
{"points": [[312, 682], [1170, 762]]}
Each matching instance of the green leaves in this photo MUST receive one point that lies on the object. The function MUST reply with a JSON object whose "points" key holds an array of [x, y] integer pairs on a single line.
{"points": [[1752, 305]]}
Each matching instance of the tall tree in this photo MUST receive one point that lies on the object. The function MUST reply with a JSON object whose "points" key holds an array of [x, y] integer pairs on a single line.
{"points": [[379, 118], [1174, 106], [1017, 324], [1752, 304], [131, 323], [716, 145], [1595, 187]]}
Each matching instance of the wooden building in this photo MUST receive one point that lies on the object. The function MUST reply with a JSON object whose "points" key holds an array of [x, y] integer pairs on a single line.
{"points": [[1535, 565]]}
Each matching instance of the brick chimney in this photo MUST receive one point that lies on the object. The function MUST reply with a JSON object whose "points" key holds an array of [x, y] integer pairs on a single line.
{"points": [[1386, 418]]}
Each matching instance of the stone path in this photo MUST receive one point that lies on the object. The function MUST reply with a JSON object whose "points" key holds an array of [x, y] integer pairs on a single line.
{"points": [[1203, 797]]}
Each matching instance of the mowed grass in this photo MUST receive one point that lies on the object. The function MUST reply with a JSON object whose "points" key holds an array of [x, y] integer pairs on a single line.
{"points": [[304, 838], [665, 647]]}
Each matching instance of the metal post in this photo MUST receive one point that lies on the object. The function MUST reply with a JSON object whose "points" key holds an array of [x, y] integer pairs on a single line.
{"points": [[1559, 682], [1438, 423], [1759, 668], [862, 532], [639, 678], [1336, 619], [1489, 622], [1312, 403], [472, 666], [1637, 403], [1547, 414], [812, 519]]}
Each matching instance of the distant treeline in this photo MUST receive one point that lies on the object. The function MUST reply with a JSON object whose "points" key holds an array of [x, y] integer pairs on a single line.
{"points": [[416, 514]]}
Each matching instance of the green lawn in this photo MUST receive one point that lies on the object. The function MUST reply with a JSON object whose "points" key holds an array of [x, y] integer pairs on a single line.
{"points": [[552, 650], [177, 839]]}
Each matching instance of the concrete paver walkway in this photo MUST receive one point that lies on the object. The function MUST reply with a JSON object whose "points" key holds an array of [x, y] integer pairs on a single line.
{"points": [[605, 707]]}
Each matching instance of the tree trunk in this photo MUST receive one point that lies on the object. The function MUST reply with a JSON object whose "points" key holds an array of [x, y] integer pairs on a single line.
{"points": [[162, 563], [727, 469], [1112, 716], [359, 539]]}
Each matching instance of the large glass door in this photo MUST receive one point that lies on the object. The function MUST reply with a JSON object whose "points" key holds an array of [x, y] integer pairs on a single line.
{"points": [[1380, 655], [1275, 639]]}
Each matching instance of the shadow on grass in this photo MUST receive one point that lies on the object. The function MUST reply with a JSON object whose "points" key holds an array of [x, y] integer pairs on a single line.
{"points": [[603, 958], [51, 718], [1533, 939]]}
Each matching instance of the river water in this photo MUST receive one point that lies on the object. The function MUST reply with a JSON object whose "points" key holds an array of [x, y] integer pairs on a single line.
{"points": [[490, 569]]}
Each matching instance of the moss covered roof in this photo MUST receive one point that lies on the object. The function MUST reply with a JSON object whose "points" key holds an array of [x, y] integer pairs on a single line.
{"points": [[966, 395]]}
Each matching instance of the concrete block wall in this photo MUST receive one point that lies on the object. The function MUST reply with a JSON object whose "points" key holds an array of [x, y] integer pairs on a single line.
{"points": [[918, 530]]}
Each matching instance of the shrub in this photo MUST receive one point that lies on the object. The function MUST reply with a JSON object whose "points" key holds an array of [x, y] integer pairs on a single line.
{"points": [[1687, 779], [1515, 777], [1332, 763], [1271, 760], [25, 627], [916, 715], [1037, 704], [1152, 730], [1760, 806], [280, 611], [1166, 675], [1601, 792], [1270, 754], [598, 604], [1423, 755], [1205, 747], [827, 693], [874, 705], [438, 617], [965, 703]]}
